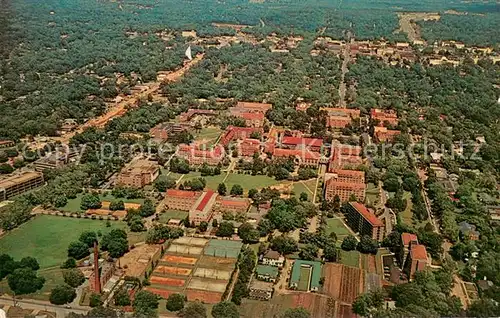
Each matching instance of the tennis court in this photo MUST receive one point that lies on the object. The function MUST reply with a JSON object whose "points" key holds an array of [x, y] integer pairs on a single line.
{"points": [[165, 270], [190, 241], [223, 248], [212, 273], [167, 281], [207, 284], [184, 249], [179, 259], [305, 273]]}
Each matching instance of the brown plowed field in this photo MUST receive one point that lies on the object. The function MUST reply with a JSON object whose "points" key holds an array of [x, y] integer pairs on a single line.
{"points": [[333, 278], [318, 305], [351, 282], [167, 281], [172, 270], [345, 311], [372, 267], [179, 259], [203, 296]]}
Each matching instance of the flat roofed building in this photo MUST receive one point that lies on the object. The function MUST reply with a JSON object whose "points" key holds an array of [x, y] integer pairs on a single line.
{"points": [[138, 174], [202, 210], [314, 144], [302, 157], [345, 183], [180, 199], [197, 156], [267, 273], [416, 260], [19, 183], [232, 204], [364, 222], [260, 290], [273, 258], [382, 134]]}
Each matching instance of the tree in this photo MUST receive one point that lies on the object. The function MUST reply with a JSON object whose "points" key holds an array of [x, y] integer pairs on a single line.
{"points": [[284, 245], [252, 192], [162, 183], [225, 309], [78, 250], [194, 310], [368, 302], [309, 252], [5, 168], [62, 294], [117, 205], [122, 298], [73, 277], [69, 263], [24, 281], [88, 238], [175, 302], [147, 208], [236, 190], [203, 226], [296, 313], [29, 262], [90, 201], [95, 300], [60, 201], [484, 308], [225, 229], [221, 189], [331, 252], [215, 223], [367, 245], [145, 302], [349, 243], [303, 197], [248, 233]]}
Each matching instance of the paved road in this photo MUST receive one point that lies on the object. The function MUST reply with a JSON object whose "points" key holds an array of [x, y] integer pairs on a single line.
{"points": [[60, 311]]}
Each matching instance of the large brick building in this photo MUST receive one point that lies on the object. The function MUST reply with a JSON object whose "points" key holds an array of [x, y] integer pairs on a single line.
{"points": [[384, 117], [197, 156], [302, 157], [345, 183], [340, 117], [382, 134], [19, 183], [203, 209], [248, 147], [138, 174], [233, 133], [364, 221], [344, 156], [180, 199], [416, 260], [313, 144], [187, 116], [232, 204]]}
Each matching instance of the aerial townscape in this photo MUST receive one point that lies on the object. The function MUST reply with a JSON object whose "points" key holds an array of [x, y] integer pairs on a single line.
{"points": [[249, 158]]}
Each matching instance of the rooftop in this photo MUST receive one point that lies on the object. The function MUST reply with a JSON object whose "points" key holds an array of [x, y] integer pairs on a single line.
{"points": [[407, 238], [367, 215], [18, 178], [418, 252], [310, 142], [207, 196], [316, 272], [181, 193], [272, 255], [267, 270]]}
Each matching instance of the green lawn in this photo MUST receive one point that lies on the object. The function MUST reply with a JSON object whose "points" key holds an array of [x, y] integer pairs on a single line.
{"points": [[304, 186], [336, 225], [305, 272], [73, 205], [173, 214], [350, 258], [372, 194], [47, 237], [212, 181], [208, 135], [407, 215], [53, 277]]}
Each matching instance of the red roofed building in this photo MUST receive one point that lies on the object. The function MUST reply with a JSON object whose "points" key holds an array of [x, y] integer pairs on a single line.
{"points": [[234, 133], [344, 156], [313, 144], [302, 157], [187, 116], [254, 107], [407, 240], [180, 199], [345, 183], [416, 260], [340, 117], [384, 116], [232, 205], [382, 134], [202, 210], [253, 119], [196, 156], [248, 147], [364, 221]]}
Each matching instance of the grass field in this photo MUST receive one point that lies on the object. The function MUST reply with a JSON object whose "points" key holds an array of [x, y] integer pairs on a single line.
{"points": [[73, 205], [372, 194], [47, 237], [173, 214], [208, 135], [407, 214], [305, 273], [350, 258], [53, 277], [304, 186], [336, 225]]}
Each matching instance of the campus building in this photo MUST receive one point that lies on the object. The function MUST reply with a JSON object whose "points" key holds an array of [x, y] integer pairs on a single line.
{"points": [[384, 117], [302, 157], [252, 113], [416, 260], [234, 133], [19, 183], [344, 156], [382, 134], [361, 220], [7, 143], [248, 147], [56, 159], [196, 156], [273, 258], [234, 205], [260, 290], [106, 271], [202, 210], [180, 199], [344, 183], [138, 174], [267, 273], [305, 276], [407, 240], [164, 130], [339, 118], [313, 144], [187, 116]]}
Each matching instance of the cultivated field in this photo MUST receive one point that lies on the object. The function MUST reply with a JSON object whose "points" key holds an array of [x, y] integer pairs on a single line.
{"points": [[344, 283], [47, 237], [320, 306]]}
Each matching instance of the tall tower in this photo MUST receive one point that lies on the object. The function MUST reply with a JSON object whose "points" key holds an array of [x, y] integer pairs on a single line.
{"points": [[96, 269]]}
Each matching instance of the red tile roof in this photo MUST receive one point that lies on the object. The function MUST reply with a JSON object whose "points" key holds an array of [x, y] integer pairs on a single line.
{"points": [[309, 142], [303, 154], [367, 215], [407, 238], [204, 201], [181, 193], [252, 116], [418, 252]]}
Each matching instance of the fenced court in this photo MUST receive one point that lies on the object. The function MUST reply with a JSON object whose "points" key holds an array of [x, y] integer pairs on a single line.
{"points": [[212, 273], [206, 297], [217, 262], [167, 281], [223, 248], [165, 270], [178, 259], [209, 285], [184, 249]]}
